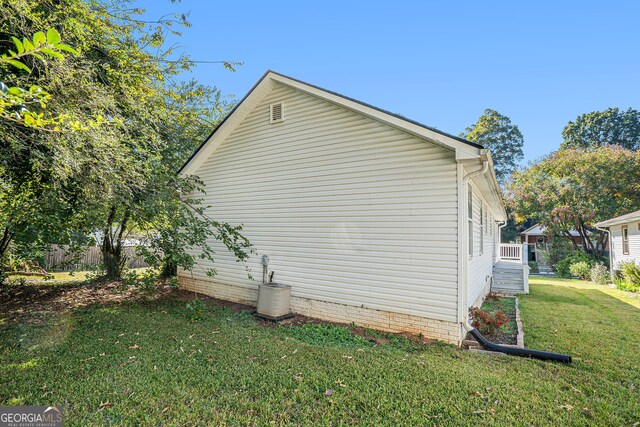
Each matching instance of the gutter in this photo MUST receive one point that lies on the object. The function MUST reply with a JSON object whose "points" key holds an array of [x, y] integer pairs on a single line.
{"points": [[463, 254], [500, 227], [515, 351]]}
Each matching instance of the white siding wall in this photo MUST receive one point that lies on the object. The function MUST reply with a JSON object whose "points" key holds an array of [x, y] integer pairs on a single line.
{"points": [[616, 244], [349, 210], [480, 269]]}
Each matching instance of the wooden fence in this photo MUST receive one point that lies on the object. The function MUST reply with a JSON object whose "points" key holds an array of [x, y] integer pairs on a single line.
{"points": [[59, 259]]}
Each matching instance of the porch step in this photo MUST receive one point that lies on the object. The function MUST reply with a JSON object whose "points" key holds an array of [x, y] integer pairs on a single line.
{"points": [[508, 278]]}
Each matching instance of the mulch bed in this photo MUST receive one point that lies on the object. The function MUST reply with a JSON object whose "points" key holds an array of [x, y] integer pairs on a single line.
{"points": [[509, 333]]}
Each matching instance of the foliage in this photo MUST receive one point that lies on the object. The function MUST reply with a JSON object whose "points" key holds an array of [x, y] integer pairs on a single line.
{"points": [[581, 270], [600, 128], [600, 274], [629, 279], [509, 233], [574, 188], [558, 248], [24, 106], [496, 132], [486, 323], [535, 268], [146, 282], [120, 177], [563, 267], [195, 309], [181, 235]]}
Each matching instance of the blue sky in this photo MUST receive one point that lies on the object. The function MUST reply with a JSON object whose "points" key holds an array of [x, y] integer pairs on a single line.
{"points": [[441, 63]]}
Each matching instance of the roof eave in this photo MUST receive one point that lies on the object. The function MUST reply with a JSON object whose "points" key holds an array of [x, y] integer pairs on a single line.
{"points": [[459, 145]]}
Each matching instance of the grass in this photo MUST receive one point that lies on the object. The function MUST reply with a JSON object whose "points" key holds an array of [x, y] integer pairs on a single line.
{"points": [[146, 363], [64, 277], [57, 277]]}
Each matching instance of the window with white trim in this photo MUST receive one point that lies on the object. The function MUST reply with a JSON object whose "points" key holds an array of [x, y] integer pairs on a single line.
{"points": [[482, 225], [625, 240], [470, 218]]}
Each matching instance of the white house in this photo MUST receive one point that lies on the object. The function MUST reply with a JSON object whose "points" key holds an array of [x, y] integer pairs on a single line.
{"points": [[624, 241], [370, 217]]}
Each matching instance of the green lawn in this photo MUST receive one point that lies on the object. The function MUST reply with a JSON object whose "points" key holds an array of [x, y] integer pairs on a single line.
{"points": [[145, 363]]}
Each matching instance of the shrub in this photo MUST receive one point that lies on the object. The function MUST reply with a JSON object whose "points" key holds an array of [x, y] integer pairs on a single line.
{"points": [[630, 277], [581, 270], [487, 324], [195, 309], [146, 283], [558, 249], [563, 267], [600, 274], [534, 267]]}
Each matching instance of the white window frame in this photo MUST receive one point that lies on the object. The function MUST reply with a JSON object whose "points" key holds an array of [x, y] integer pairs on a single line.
{"points": [[625, 239], [470, 219], [482, 226]]}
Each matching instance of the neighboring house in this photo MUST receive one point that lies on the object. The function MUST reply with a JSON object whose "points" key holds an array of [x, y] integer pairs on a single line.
{"points": [[536, 239], [370, 217], [624, 241]]}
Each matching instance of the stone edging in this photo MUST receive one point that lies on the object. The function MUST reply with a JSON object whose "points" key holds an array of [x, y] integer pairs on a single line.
{"points": [[520, 337]]}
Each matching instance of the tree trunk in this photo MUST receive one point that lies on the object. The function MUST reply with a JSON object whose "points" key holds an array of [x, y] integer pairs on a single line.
{"points": [[112, 257], [587, 243], [570, 237], [5, 240], [169, 268]]}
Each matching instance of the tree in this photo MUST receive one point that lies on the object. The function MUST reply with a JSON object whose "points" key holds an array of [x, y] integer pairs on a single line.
{"points": [[119, 177], [496, 132], [25, 108], [574, 188], [601, 128]]}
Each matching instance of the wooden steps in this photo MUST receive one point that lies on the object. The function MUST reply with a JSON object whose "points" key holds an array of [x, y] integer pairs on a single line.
{"points": [[510, 278]]}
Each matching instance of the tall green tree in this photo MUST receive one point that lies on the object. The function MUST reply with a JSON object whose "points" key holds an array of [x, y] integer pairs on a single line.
{"points": [[600, 128], [496, 132], [119, 177], [574, 188]]}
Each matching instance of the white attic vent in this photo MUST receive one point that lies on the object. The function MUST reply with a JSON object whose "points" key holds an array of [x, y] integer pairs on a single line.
{"points": [[276, 113]]}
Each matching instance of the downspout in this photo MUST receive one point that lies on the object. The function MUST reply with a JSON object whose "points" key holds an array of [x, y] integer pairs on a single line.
{"points": [[515, 351], [464, 256], [609, 241], [500, 227]]}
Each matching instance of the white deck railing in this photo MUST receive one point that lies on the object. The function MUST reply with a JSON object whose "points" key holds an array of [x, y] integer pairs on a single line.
{"points": [[513, 252]]}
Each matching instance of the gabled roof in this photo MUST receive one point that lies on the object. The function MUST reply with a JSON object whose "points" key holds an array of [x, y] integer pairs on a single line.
{"points": [[538, 230], [630, 217], [465, 151], [255, 94]]}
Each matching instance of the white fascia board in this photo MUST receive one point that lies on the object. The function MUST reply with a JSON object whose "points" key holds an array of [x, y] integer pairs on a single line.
{"points": [[462, 149], [487, 183], [246, 106]]}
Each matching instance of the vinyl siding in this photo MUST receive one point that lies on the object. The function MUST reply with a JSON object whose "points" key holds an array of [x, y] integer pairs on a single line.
{"points": [[480, 267], [349, 210], [616, 244]]}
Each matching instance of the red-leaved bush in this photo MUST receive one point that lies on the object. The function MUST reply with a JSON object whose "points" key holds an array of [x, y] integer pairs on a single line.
{"points": [[485, 323]]}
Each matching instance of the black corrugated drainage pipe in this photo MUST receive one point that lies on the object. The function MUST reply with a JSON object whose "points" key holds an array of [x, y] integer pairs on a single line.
{"points": [[517, 351]]}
